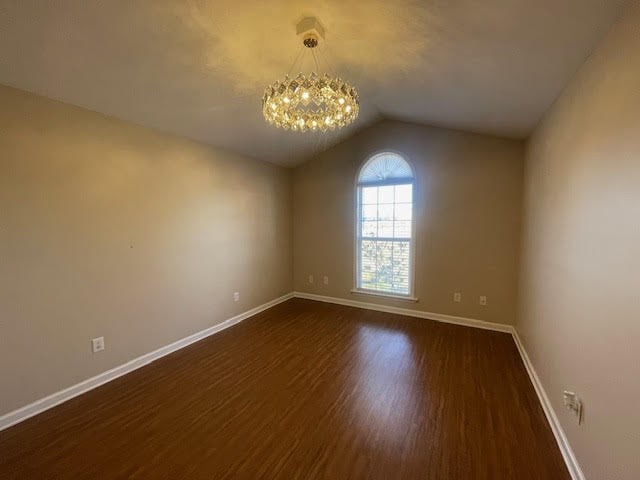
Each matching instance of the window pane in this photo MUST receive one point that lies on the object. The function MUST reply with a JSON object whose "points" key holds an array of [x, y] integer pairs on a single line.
{"points": [[402, 229], [385, 212], [369, 212], [385, 266], [404, 193], [369, 195], [403, 211], [385, 194], [368, 264], [369, 277], [401, 259], [385, 229], [370, 229]]}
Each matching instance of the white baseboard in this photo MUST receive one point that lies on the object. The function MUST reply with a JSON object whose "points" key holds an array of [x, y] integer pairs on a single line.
{"points": [[440, 317], [57, 398], [563, 443]]}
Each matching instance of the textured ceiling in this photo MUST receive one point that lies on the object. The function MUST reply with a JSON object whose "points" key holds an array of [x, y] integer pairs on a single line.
{"points": [[197, 68]]}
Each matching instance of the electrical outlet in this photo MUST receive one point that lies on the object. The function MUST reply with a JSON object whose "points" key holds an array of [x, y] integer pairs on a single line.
{"points": [[97, 344], [326, 280], [574, 404], [483, 300], [457, 297], [236, 296], [310, 278]]}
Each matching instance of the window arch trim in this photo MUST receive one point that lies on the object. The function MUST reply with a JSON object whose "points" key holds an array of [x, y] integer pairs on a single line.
{"points": [[404, 171]]}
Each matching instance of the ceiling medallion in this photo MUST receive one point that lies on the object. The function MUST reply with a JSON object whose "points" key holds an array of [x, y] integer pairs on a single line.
{"points": [[310, 102]]}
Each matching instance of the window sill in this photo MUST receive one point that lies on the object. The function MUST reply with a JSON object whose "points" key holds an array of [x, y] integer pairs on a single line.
{"points": [[373, 293]]}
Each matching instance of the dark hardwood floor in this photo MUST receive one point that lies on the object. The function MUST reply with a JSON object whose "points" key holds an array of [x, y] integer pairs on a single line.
{"points": [[304, 390]]}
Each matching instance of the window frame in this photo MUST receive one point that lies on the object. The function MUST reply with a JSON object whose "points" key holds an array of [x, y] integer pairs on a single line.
{"points": [[358, 228]]}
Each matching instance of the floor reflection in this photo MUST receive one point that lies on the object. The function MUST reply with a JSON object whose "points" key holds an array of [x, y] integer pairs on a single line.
{"points": [[386, 388]]}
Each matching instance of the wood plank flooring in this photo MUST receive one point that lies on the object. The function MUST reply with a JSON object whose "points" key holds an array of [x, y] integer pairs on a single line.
{"points": [[305, 390]]}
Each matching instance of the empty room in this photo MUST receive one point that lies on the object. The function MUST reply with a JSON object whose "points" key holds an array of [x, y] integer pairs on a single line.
{"points": [[374, 239]]}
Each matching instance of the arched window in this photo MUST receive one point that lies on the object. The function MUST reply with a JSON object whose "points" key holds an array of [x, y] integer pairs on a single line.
{"points": [[384, 235]]}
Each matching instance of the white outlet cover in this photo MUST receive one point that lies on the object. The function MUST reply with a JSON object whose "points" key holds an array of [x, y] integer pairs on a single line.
{"points": [[97, 344], [236, 296], [457, 297], [483, 300], [310, 278], [326, 280], [574, 404]]}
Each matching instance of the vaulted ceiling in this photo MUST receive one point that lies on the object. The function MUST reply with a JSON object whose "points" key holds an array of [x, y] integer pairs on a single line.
{"points": [[197, 68]]}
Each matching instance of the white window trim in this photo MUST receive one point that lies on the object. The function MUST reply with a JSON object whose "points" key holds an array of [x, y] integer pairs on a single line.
{"points": [[376, 293], [358, 234]]}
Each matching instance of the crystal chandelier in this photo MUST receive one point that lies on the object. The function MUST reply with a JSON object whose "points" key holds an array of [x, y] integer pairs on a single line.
{"points": [[310, 102]]}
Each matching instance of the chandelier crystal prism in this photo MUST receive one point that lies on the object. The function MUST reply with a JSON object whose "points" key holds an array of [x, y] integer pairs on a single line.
{"points": [[310, 102]]}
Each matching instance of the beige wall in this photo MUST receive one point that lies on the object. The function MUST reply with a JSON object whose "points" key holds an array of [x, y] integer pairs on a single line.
{"points": [[580, 288], [111, 229], [468, 211]]}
